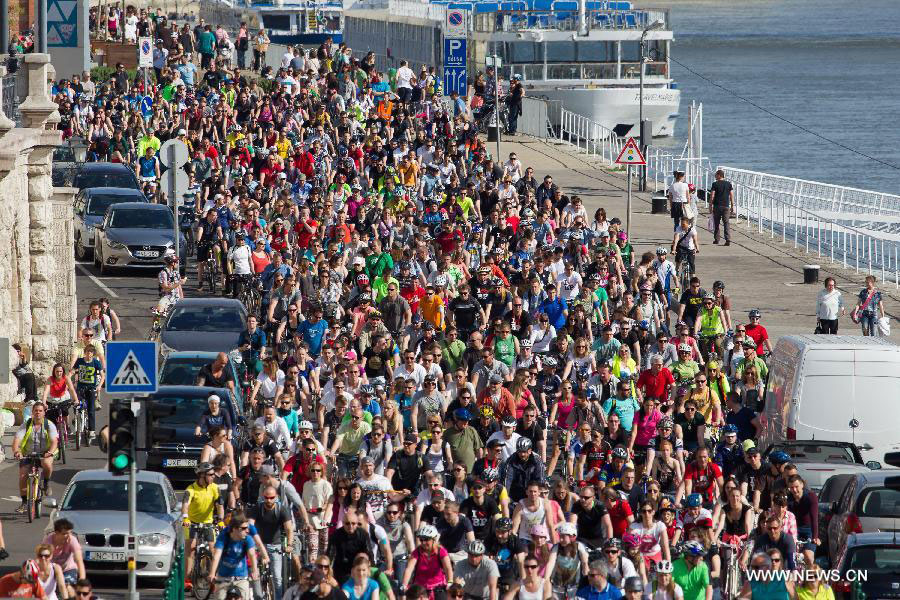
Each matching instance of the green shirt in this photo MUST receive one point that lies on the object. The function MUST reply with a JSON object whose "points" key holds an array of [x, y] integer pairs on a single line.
{"points": [[684, 369], [452, 354], [353, 438], [761, 368], [463, 445], [693, 582], [207, 42], [376, 263], [380, 287]]}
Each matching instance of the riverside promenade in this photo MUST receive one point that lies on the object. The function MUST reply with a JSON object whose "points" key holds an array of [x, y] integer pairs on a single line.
{"points": [[758, 272]]}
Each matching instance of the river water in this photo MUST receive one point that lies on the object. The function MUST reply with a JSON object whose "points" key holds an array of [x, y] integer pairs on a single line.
{"points": [[827, 65]]}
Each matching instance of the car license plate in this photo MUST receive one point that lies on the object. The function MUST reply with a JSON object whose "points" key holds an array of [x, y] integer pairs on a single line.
{"points": [[146, 253], [179, 462], [116, 556]]}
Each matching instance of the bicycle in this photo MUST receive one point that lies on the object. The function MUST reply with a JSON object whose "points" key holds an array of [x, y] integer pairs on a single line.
{"points": [[683, 269], [80, 421], [267, 582], [211, 273], [730, 553], [202, 559], [60, 419], [34, 490], [251, 294]]}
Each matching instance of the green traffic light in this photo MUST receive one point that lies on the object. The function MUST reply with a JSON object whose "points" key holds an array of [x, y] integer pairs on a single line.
{"points": [[121, 461]]}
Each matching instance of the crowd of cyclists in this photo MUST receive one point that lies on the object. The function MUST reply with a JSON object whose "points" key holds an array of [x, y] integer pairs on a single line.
{"points": [[463, 384]]}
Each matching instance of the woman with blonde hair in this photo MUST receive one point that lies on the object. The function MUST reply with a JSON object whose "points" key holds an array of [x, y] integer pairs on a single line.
{"points": [[393, 420], [268, 385], [750, 387], [814, 586], [51, 575]]}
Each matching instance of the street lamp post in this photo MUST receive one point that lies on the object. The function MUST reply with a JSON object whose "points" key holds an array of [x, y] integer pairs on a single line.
{"points": [[657, 24]]}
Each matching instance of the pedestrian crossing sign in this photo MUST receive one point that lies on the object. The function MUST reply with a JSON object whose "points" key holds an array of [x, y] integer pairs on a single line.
{"points": [[131, 367], [631, 154]]}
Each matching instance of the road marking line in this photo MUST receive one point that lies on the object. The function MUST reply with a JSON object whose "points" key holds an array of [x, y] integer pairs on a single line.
{"points": [[99, 283]]}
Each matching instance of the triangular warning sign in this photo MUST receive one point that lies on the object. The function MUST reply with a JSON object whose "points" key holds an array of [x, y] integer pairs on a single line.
{"points": [[131, 372], [53, 37], [66, 7], [54, 15], [631, 154]]}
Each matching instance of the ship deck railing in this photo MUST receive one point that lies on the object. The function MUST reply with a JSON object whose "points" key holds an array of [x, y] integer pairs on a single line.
{"points": [[565, 20]]}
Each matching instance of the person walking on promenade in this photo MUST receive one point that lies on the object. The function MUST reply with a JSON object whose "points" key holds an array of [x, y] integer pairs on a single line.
{"points": [[868, 307], [722, 205], [829, 307], [678, 196]]}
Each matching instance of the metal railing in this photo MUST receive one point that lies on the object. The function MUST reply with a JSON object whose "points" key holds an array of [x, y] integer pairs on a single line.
{"points": [[588, 136], [11, 99], [787, 215]]}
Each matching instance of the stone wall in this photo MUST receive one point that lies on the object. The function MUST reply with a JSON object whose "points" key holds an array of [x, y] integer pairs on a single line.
{"points": [[37, 276]]}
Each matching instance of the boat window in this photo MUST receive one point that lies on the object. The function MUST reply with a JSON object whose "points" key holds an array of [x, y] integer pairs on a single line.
{"points": [[522, 52], [596, 52], [603, 71], [564, 71], [631, 51], [278, 22], [656, 50], [560, 52]]}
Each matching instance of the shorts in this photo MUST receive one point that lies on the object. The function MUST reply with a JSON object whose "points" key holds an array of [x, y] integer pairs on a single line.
{"points": [[203, 251], [805, 533], [70, 576]]}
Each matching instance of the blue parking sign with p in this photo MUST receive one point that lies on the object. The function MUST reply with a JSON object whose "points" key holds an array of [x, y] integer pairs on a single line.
{"points": [[454, 53], [455, 66]]}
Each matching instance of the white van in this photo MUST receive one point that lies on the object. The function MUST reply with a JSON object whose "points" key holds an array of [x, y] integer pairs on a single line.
{"points": [[834, 387]]}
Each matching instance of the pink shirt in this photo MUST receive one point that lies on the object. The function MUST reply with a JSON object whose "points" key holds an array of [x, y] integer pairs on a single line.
{"points": [[429, 571], [64, 555], [646, 427], [562, 412]]}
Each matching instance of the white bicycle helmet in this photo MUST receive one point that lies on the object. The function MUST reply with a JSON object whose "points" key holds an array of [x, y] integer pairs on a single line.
{"points": [[566, 528], [664, 566], [428, 532]]}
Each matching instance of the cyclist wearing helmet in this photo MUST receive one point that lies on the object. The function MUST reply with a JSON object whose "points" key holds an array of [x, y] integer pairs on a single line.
{"points": [[758, 333], [201, 500], [729, 452], [521, 468], [710, 325], [723, 302], [664, 587], [507, 550], [691, 573], [611, 473], [704, 477], [24, 583]]}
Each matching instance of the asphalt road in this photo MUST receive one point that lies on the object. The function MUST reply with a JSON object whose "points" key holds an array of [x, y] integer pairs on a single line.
{"points": [[132, 294]]}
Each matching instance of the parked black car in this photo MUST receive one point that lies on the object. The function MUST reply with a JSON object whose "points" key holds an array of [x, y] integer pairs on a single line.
{"points": [[106, 174]]}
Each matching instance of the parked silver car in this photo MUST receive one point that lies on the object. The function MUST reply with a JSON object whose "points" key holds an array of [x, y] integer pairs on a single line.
{"points": [[870, 503], [90, 208], [96, 502], [134, 234]]}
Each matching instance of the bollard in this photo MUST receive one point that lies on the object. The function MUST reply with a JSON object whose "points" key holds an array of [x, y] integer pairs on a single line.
{"points": [[659, 203], [811, 273]]}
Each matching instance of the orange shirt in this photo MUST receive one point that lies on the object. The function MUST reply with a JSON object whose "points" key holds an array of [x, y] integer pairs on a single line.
{"points": [[431, 310]]}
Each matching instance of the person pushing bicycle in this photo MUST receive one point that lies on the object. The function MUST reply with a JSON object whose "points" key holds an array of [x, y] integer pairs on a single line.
{"points": [[89, 377]]}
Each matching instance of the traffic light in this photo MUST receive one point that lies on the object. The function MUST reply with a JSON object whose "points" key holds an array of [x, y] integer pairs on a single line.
{"points": [[121, 438]]}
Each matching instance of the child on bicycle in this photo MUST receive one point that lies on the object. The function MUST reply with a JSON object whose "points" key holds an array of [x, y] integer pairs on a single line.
{"points": [[89, 375]]}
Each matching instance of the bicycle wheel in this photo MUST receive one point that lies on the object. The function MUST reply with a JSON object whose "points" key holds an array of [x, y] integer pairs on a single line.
{"points": [[30, 496], [77, 427], [38, 499], [63, 438], [268, 584], [211, 279], [200, 577]]}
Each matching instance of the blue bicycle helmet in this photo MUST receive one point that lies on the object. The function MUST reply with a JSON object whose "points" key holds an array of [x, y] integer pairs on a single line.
{"points": [[779, 457], [730, 428], [694, 500], [694, 548]]}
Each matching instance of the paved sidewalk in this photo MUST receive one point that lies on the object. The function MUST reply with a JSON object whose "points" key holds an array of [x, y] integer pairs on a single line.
{"points": [[758, 272]]}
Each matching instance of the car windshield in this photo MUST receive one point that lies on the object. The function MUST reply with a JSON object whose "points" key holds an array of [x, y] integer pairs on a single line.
{"points": [[875, 559], [141, 219], [112, 494], [211, 318], [181, 371], [99, 203], [880, 502], [94, 180], [188, 410], [818, 453]]}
